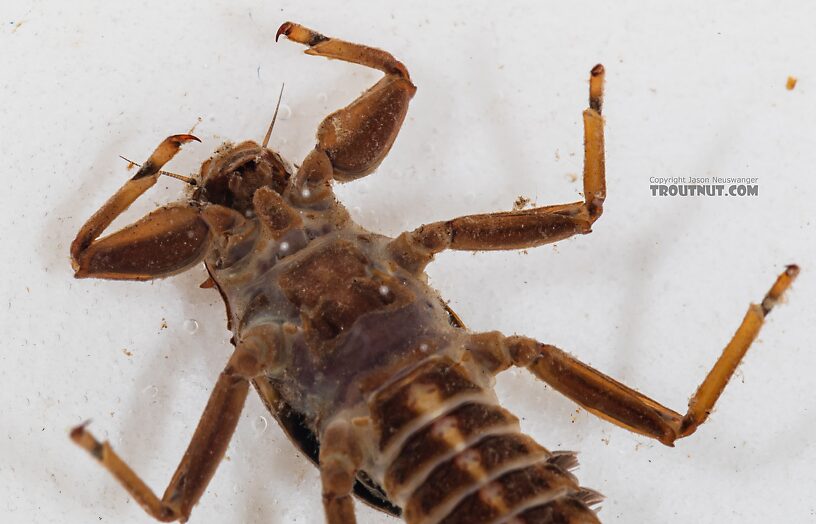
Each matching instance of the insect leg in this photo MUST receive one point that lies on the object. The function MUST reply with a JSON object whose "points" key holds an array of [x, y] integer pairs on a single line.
{"points": [[141, 251], [616, 402], [340, 457], [524, 228], [356, 139], [320, 45], [206, 449], [594, 160]]}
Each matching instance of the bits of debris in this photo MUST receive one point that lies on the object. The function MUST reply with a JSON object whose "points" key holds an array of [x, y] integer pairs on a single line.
{"points": [[791, 83], [520, 203], [198, 121]]}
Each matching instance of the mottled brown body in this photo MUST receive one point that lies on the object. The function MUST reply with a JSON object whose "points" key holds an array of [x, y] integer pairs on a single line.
{"points": [[362, 339], [372, 376]]}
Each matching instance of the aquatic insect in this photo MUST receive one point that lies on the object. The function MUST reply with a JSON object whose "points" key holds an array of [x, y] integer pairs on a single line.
{"points": [[335, 327]]}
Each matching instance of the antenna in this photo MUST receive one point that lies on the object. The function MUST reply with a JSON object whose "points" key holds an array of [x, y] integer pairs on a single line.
{"points": [[183, 178], [274, 117]]}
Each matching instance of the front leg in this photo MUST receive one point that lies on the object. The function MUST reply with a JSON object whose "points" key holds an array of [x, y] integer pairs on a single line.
{"points": [[353, 141], [166, 241]]}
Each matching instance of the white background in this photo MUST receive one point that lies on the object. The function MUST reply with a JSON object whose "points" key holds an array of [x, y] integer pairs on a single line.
{"points": [[650, 297]]}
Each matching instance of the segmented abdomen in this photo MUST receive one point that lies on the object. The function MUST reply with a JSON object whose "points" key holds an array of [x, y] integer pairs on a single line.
{"points": [[453, 455]]}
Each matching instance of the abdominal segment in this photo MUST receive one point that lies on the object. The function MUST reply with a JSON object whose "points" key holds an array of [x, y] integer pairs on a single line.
{"points": [[450, 454]]}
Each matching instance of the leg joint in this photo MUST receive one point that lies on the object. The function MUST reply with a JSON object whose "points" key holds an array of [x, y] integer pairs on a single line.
{"points": [[523, 351]]}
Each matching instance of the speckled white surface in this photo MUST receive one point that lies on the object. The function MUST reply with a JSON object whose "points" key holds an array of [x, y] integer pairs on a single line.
{"points": [[650, 297]]}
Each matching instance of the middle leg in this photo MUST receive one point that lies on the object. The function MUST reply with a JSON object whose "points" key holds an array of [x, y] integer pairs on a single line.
{"points": [[521, 229], [209, 442]]}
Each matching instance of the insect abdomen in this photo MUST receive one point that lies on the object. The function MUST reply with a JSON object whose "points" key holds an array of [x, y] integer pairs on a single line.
{"points": [[455, 456]]}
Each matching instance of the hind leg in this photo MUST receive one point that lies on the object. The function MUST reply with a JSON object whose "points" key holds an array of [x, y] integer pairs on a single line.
{"points": [[614, 401], [340, 458]]}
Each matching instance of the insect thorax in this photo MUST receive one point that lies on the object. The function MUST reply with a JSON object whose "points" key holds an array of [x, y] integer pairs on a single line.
{"points": [[348, 318]]}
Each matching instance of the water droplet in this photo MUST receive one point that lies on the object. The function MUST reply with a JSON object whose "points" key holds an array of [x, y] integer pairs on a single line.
{"points": [[384, 290], [191, 325], [151, 391], [322, 98], [305, 193], [259, 425], [283, 247], [285, 112]]}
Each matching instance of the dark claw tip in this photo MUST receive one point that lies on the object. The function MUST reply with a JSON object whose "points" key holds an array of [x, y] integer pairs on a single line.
{"points": [[79, 430], [183, 139], [284, 30], [597, 70], [792, 270]]}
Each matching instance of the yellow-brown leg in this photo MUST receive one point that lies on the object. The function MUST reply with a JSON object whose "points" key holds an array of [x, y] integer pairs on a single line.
{"points": [[143, 180], [209, 442], [166, 241], [527, 228], [616, 402], [353, 141], [340, 458]]}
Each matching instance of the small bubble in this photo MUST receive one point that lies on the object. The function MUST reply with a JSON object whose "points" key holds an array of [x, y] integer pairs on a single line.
{"points": [[249, 213], [305, 193], [190, 234], [259, 425], [424, 347], [191, 325], [285, 112], [322, 98], [384, 290], [283, 247], [151, 391]]}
